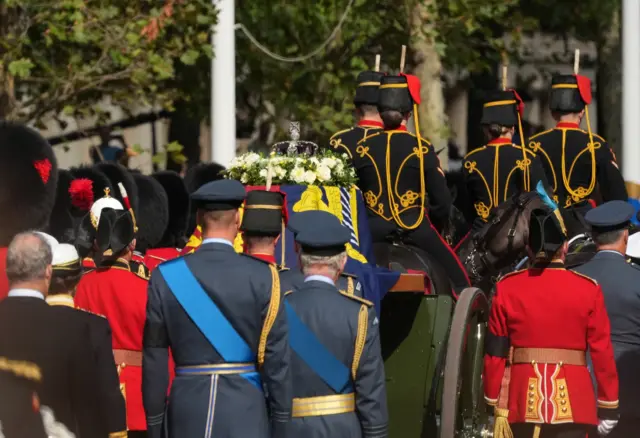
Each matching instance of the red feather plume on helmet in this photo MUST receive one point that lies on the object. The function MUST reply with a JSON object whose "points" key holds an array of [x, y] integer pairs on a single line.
{"points": [[81, 191]]}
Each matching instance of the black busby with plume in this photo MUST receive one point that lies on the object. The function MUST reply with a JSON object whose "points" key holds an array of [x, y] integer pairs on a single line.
{"points": [[178, 198], [28, 180], [152, 215], [61, 224]]}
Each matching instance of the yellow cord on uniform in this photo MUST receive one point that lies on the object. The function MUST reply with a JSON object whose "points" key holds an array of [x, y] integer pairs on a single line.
{"points": [[525, 170], [592, 150], [423, 191]]}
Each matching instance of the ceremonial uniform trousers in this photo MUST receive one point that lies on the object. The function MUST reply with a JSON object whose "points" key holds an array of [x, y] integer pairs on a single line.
{"points": [[496, 172], [343, 329], [620, 282], [118, 293], [391, 176], [155, 256], [573, 172], [542, 321], [212, 395], [346, 141]]}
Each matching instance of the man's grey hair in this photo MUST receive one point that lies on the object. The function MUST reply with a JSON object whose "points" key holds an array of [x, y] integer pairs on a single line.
{"points": [[333, 263], [28, 256], [608, 237]]}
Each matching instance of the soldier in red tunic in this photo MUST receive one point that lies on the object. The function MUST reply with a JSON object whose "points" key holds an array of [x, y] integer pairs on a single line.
{"points": [[542, 322], [28, 177], [119, 293]]}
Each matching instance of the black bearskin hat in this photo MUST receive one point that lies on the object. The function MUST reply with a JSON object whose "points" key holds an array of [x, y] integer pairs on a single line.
{"points": [[117, 173], [196, 177], [61, 224], [178, 197], [99, 182], [28, 179], [152, 215]]}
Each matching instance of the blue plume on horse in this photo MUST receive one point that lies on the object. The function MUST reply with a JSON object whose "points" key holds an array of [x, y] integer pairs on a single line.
{"points": [[545, 197]]}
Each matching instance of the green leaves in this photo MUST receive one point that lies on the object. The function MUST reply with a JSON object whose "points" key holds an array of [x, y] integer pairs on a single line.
{"points": [[21, 68]]}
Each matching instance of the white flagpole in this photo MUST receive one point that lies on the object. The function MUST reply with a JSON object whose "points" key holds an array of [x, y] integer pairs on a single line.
{"points": [[631, 95]]}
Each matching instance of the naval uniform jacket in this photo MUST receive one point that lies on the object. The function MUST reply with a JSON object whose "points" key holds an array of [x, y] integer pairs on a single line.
{"points": [[113, 411], [247, 292], [565, 156], [389, 175], [551, 308], [620, 282], [32, 331], [347, 326], [19, 411], [120, 294], [347, 141], [494, 173]]}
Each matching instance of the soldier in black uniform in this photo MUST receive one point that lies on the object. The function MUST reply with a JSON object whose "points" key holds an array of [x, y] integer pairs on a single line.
{"points": [[397, 170], [19, 401], [576, 160], [348, 398], [495, 172], [222, 315], [67, 271], [369, 121]]}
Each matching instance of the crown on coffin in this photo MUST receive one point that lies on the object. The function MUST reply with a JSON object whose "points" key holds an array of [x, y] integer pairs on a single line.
{"points": [[295, 146]]}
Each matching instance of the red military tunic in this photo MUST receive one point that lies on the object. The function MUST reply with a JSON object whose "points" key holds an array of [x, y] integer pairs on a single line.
{"points": [[119, 294], [155, 256], [551, 308]]}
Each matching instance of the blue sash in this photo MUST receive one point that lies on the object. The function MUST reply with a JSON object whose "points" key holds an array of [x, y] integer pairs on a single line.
{"points": [[306, 345], [207, 316]]}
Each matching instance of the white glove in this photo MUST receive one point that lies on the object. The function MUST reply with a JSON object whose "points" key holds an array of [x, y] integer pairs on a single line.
{"points": [[606, 426]]}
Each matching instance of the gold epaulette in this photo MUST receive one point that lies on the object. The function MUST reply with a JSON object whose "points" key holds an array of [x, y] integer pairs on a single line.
{"points": [[356, 298], [370, 136], [20, 368], [340, 133], [541, 133], [272, 312], [586, 277], [511, 274], [474, 151]]}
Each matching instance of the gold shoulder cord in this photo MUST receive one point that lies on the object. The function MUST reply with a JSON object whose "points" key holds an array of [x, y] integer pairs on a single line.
{"points": [[392, 204], [274, 305], [361, 337]]}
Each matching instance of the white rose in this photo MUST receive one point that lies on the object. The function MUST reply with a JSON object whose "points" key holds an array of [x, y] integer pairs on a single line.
{"points": [[244, 178], [309, 177], [280, 172], [314, 160], [297, 174], [339, 172], [340, 166], [251, 158], [329, 162], [263, 173], [324, 173]]}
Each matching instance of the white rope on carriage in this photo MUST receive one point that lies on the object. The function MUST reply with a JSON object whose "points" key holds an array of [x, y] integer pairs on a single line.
{"points": [[302, 58]]}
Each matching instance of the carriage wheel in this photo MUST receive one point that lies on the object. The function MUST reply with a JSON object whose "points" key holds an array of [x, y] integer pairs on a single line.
{"points": [[463, 412]]}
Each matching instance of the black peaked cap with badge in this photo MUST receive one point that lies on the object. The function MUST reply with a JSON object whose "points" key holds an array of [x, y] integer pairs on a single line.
{"points": [[610, 216], [297, 220], [322, 234], [263, 214], [224, 194], [368, 88], [152, 214], [28, 180]]}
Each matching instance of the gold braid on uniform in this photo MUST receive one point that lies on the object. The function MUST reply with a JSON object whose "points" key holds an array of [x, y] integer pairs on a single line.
{"points": [[350, 288], [272, 313], [392, 204], [361, 338], [27, 370], [580, 193], [121, 434]]}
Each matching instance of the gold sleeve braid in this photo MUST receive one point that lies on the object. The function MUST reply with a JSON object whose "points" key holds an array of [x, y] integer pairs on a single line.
{"points": [[274, 305], [26, 370], [361, 337], [121, 434]]}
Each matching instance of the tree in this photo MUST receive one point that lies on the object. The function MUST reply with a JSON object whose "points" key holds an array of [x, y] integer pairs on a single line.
{"points": [[67, 56]]}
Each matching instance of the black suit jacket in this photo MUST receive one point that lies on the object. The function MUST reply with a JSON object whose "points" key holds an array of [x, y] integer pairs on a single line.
{"points": [[31, 330], [111, 404]]}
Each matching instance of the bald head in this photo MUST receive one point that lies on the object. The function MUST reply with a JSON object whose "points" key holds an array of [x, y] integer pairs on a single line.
{"points": [[29, 259]]}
